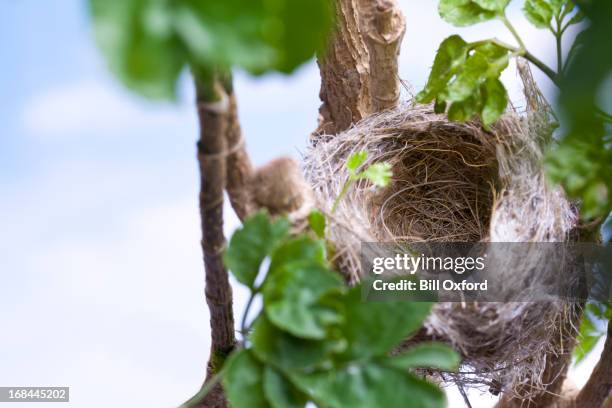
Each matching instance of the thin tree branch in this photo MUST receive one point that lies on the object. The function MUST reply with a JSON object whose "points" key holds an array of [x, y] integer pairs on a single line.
{"points": [[213, 111], [239, 168]]}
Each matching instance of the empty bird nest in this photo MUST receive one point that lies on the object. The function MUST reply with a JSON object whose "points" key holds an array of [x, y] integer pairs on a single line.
{"points": [[457, 182]]}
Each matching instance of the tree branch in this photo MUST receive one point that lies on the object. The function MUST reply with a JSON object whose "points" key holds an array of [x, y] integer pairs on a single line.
{"points": [[345, 73], [213, 111], [359, 72], [383, 29], [239, 167]]}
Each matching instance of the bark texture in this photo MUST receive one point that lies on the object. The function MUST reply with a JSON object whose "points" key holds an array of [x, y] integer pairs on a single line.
{"points": [[345, 73], [383, 30], [239, 167], [212, 146], [359, 71]]}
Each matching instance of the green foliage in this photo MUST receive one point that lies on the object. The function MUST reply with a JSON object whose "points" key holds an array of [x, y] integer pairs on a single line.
{"points": [[243, 380], [464, 82], [293, 298], [317, 222], [589, 333], [581, 160], [427, 355], [466, 77], [538, 12], [378, 174], [139, 43], [251, 244], [147, 43], [315, 340], [467, 12], [367, 384]]}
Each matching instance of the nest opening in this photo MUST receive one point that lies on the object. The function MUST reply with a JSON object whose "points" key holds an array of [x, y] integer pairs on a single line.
{"points": [[443, 189]]}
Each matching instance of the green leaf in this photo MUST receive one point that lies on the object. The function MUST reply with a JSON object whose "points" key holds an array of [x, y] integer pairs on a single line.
{"points": [[317, 221], [256, 35], [301, 248], [368, 384], [379, 174], [494, 5], [577, 18], [138, 41], [487, 62], [577, 45], [280, 392], [286, 352], [496, 100], [467, 12], [355, 160], [450, 56], [427, 355], [538, 12], [293, 299], [243, 381], [250, 245], [374, 328], [589, 334]]}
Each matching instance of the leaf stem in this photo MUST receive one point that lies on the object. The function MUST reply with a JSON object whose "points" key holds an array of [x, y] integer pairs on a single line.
{"points": [[523, 53], [343, 192], [510, 27], [542, 66], [243, 324]]}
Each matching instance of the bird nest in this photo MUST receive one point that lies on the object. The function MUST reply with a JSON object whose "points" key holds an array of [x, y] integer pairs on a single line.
{"points": [[456, 182]]}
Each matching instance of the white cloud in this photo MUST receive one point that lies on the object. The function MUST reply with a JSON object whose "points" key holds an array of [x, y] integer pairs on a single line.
{"points": [[89, 107]]}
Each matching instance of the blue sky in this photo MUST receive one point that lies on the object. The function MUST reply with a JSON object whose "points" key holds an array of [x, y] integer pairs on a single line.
{"points": [[102, 277]]}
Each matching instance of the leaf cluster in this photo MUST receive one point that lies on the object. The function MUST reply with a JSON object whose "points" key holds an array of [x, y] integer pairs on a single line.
{"points": [[314, 339], [379, 174], [465, 83], [148, 43]]}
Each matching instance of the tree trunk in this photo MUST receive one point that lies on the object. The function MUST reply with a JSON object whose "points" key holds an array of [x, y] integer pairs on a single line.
{"points": [[359, 72]]}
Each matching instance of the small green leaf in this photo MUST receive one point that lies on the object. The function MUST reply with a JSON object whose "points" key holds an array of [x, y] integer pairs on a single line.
{"points": [[302, 249], [494, 5], [450, 56], [374, 328], [496, 100], [379, 173], [317, 221], [440, 106], [286, 352], [579, 43], [138, 41], [292, 299], [465, 110], [367, 384], [280, 392], [355, 160], [538, 12], [577, 18], [250, 245], [467, 12], [243, 381], [427, 355]]}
